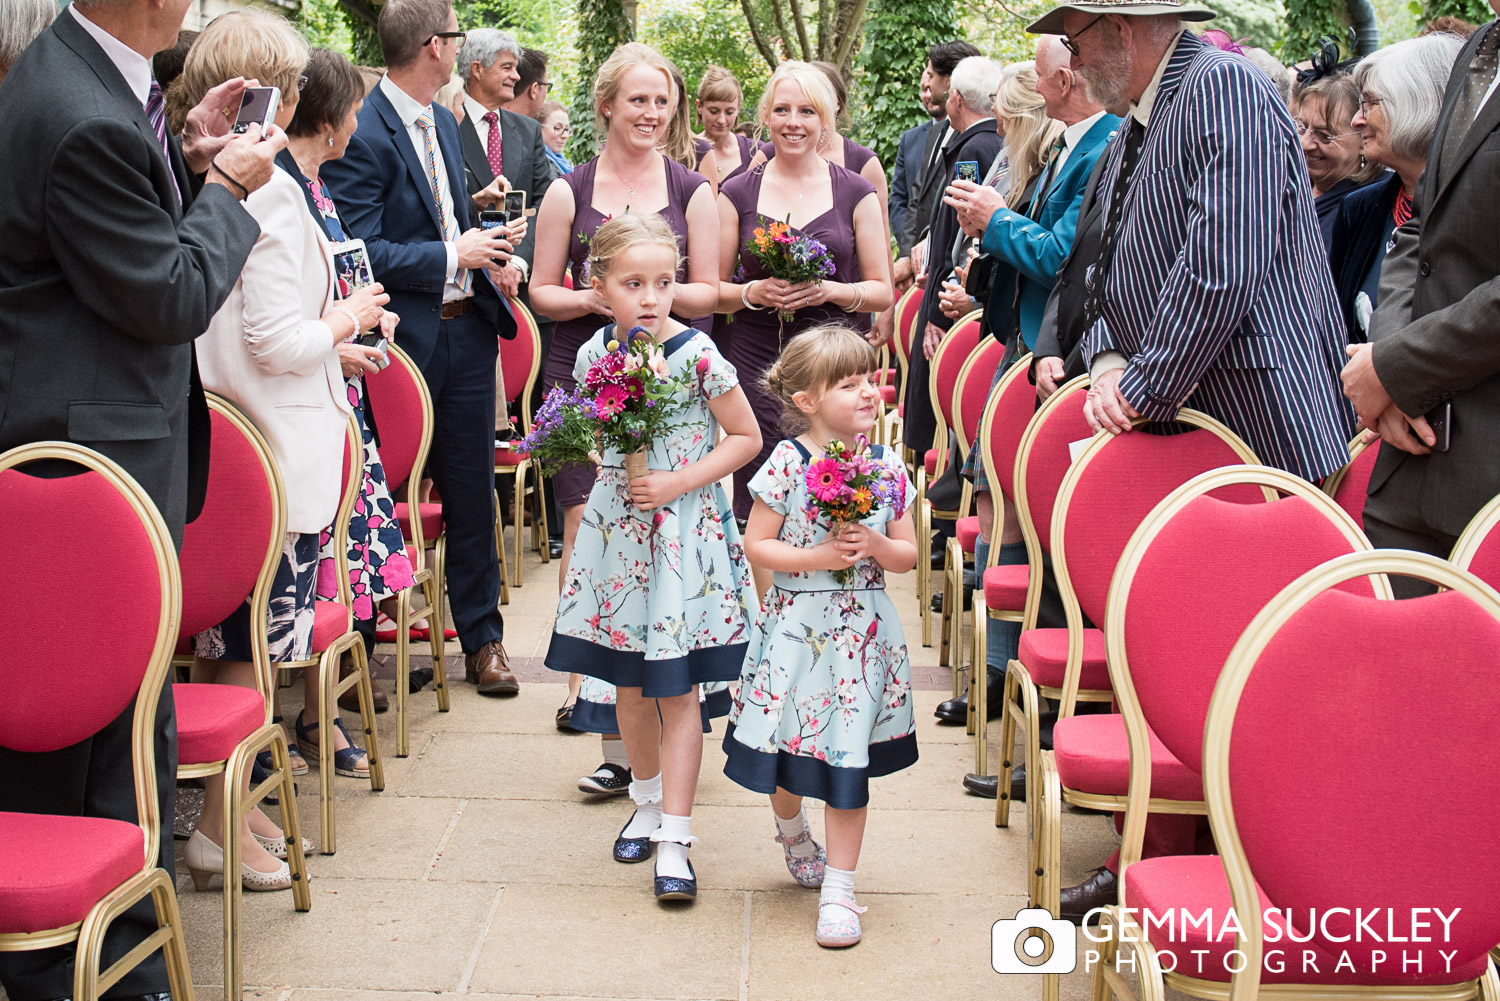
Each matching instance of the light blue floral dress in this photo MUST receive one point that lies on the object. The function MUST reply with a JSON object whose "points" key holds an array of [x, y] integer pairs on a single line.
{"points": [[824, 701], [657, 599]]}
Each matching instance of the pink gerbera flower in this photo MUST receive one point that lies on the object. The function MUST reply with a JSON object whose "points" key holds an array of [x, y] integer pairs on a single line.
{"points": [[825, 480], [610, 401]]}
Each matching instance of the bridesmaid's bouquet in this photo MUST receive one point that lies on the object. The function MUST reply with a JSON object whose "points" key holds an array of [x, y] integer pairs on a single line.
{"points": [[791, 256], [846, 484], [628, 400]]}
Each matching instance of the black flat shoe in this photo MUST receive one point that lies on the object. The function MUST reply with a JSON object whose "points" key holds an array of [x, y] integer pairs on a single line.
{"points": [[565, 718], [554, 549], [633, 849], [609, 779], [675, 888]]}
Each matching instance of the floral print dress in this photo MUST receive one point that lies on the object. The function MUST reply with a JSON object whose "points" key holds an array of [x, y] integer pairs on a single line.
{"points": [[657, 599], [824, 701]]}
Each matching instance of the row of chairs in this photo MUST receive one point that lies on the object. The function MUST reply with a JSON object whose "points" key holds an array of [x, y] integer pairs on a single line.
{"points": [[65, 879]]}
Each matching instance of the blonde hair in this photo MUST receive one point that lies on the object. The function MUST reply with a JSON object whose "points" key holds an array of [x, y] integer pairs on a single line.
{"points": [[815, 87], [718, 84], [624, 233], [246, 42], [814, 360], [1028, 131], [679, 145], [451, 96], [621, 61]]}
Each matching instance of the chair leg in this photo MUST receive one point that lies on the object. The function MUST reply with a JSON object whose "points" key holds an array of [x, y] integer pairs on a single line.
{"points": [[367, 717], [979, 699], [233, 891], [1109, 932], [327, 705], [500, 549], [539, 516], [291, 824], [89, 982], [174, 949], [1007, 747], [945, 649], [924, 569], [437, 597], [520, 506], [403, 669]]}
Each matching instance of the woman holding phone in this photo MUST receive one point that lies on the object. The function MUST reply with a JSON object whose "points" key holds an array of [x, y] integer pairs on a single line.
{"points": [[273, 349]]}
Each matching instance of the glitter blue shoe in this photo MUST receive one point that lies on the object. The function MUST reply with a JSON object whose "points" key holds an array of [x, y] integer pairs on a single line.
{"points": [[633, 849], [676, 888], [807, 871]]}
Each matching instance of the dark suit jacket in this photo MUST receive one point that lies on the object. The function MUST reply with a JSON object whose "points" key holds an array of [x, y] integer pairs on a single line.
{"points": [[909, 164], [1062, 329], [385, 199], [926, 187], [105, 280], [1361, 235], [525, 163], [980, 143], [1434, 331]]}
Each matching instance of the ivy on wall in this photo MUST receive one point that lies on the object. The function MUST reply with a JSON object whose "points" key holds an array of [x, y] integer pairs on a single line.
{"points": [[897, 37]]}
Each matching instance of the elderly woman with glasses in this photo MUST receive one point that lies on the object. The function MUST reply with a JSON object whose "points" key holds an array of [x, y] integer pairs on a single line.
{"points": [[1400, 94], [555, 132], [1324, 111]]}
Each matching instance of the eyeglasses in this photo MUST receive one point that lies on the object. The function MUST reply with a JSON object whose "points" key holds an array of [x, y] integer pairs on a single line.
{"points": [[544, 83], [562, 130], [1071, 41], [302, 82], [1366, 102], [459, 37], [1320, 137]]}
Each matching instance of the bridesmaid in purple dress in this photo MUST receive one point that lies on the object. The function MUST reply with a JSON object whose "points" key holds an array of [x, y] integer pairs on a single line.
{"points": [[634, 98], [823, 200], [723, 153]]}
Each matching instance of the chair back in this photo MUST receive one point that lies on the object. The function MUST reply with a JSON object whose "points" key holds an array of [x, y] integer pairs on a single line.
{"points": [[1348, 486], [1042, 461], [947, 362], [95, 610], [904, 337], [230, 552], [1115, 483], [973, 389], [351, 480], [521, 361], [1331, 708], [1196, 571], [1006, 413], [398, 394], [1478, 548]]}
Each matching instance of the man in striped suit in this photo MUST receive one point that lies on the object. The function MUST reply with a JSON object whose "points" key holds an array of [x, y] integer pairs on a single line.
{"points": [[1211, 288]]}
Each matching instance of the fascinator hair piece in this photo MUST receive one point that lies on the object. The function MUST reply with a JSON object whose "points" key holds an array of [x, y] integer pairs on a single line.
{"points": [[1325, 62]]}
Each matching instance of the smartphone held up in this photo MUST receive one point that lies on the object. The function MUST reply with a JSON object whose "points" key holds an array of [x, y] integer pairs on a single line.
{"points": [[259, 106]]}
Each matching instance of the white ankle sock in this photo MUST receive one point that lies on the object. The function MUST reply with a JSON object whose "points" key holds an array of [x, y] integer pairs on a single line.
{"points": [[647, 796], [790, 828], [614, 752], [838, 884], [674, 836]]}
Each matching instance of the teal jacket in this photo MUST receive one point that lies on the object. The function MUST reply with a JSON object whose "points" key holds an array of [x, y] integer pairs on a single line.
{"points": [[1031, 251]]}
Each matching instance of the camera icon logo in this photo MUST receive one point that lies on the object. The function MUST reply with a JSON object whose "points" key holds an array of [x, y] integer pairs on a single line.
{"points": [[1033, 942]]}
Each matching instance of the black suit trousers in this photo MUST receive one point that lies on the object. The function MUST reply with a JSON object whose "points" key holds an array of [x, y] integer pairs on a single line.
{"points": [[461, 376]]}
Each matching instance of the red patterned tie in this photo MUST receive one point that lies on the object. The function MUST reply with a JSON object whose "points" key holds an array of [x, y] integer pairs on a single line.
{"points": [[497, 160]]}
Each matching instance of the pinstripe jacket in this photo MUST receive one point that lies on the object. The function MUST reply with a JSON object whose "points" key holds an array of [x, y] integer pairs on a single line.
{"points": [[1219, 295]]}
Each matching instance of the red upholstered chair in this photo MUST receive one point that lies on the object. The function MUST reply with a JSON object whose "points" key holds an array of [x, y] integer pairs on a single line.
{"points": [[947, 363], [333, 636], [1196, 571], [1478, 548], [1007, 412], [230, 553], [903, 340], [969, 392], [65, 879], [1300, 771], [403, 406], [521, 361], [1348, 485]]}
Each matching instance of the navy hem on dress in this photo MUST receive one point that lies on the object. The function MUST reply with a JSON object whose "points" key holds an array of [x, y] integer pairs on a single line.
{"points": [[599, 717], [840, 788], [657, 679]]}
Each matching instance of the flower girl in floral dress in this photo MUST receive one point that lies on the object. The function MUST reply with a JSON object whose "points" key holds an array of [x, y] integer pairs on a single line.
{"points": [[824, 701], [656, 596]]}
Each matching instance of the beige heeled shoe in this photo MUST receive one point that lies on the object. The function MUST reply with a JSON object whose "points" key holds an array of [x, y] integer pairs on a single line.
{"points": [[205, 859], [277, 846]]}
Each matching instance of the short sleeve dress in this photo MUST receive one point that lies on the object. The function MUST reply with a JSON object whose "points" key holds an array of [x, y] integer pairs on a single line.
{"points": [[572, 482], [756, 336], [824, 701], [660, 599]]}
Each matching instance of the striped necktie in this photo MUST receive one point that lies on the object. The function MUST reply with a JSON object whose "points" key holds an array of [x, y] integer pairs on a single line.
{"points": [[1045, 181], [461, 276], [156, 113]]}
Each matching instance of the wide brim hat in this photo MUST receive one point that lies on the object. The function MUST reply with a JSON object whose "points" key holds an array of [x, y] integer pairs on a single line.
{"points": [[1051, 23]]}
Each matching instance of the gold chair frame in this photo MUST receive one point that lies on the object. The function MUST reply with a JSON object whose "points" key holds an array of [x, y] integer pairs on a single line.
{"points": [[539, 528], [1138, 802], [327, 662], [268, 736], [89, 982], [429, 578], [1245, 985], [903, 362], [924, 512], [1357, 444], [1474, 535]]}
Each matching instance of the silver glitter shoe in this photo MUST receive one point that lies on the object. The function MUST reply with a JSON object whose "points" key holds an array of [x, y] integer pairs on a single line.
{"points": [[807, 871]]}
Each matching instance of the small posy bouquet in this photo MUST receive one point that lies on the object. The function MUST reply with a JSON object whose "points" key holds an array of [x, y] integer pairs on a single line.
{"points": [[846, 484], [628, 400], [791, 256]]}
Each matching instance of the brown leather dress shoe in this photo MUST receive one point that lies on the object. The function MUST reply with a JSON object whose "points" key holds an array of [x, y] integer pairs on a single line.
{"points": [[1102, 889], [350, 699], [489, 668]]}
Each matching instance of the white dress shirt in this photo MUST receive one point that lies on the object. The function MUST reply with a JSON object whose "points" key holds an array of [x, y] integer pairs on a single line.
{"points": [[408, 110], [1072, 136], [475, 112], [134, 67]]}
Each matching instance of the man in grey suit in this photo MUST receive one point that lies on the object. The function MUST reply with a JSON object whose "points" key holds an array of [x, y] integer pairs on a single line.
{"points": [[1434, 347], [910, 162], [120, 245]]}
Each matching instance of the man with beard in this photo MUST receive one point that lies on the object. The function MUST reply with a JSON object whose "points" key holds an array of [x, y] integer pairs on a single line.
{"points": [[1210, 288]]}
